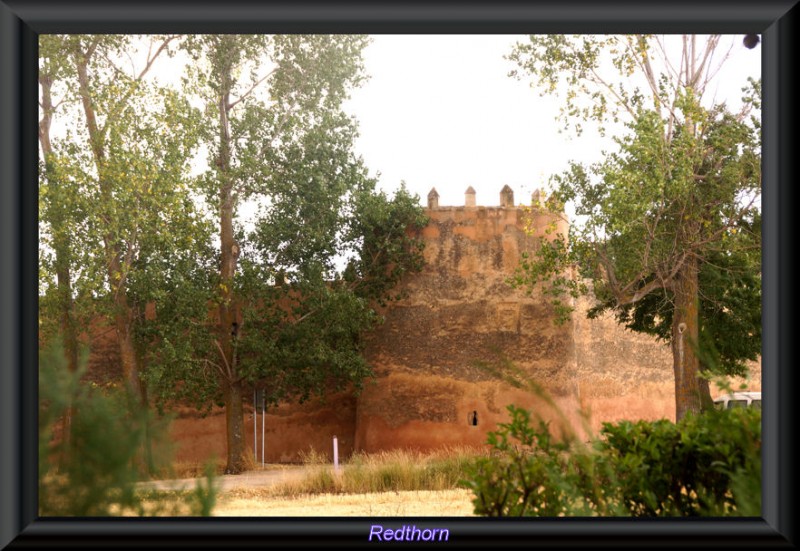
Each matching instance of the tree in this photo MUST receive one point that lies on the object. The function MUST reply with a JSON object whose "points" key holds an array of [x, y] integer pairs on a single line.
{"points": [[123, 164], [669, 223], [277, 135], [97, 474], [302, 335], [116, 199], [124, 152], [58, 209]]}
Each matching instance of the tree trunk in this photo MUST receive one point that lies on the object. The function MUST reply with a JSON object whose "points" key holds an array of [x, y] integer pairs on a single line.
{"points": [[234, 418], [229, 254], [691, 391], [127, 347], [232, 386], [62, 247], [123, 315], [68, 333]]}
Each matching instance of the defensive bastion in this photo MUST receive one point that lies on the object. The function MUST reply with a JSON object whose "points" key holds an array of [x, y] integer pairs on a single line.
{"points": [[438, 356]]}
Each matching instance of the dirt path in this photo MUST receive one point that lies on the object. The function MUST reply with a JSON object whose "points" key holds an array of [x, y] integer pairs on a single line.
{"points": [[248, 479], [243, 496]]}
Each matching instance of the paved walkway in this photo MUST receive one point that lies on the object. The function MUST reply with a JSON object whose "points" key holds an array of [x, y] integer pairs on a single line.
{"points": [[248, 479]]}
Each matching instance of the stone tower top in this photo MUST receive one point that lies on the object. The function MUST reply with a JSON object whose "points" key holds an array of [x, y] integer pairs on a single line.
{"points": [[433, 199], [469, 197], [537, 198], [506, 196]]}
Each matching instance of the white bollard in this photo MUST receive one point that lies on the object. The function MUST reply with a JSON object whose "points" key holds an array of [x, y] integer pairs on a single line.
{"points": [[335, 453]]}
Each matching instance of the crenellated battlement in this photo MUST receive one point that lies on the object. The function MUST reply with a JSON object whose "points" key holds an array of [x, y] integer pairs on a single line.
{"points": [[521, 225], [538, 199]]}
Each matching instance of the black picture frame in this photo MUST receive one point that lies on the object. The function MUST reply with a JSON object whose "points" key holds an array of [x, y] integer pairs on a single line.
{"points": [[20, 24]]}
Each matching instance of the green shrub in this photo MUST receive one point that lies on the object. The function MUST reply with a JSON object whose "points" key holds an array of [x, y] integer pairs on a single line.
{"points": [[708, 464], [111, 440], [697, 467]]}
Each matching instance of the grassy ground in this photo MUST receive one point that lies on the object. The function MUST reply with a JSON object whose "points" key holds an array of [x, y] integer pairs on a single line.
{"points": [[394, 471], [397, 483], [402, 504]]}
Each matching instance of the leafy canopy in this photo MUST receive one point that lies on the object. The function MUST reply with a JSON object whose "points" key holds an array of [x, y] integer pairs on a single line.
{"points": [[682, 185]]}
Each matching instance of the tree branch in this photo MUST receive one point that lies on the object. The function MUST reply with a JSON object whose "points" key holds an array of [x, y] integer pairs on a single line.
{"points": [[620, 102], [151, 60], [227, 373], [250, 90], [115, 110], [628, 295]]}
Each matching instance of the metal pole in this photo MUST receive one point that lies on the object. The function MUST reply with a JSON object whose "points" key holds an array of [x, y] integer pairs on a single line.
{"points": [[255, 417], [681, 329], [263, 415]]}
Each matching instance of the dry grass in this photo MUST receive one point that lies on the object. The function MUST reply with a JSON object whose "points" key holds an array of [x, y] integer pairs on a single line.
{"points": [[406, 504], [192, 469], [392, 483], [391, 471]]}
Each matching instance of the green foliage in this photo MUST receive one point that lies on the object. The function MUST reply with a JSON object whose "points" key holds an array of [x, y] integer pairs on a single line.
{"points": [[304, 333], [176, 344], [277, 134], [96, 472], [117, 185], [204, 496], [305, 345], [383, 233], [666, 233], [730, 311], [707, 465], [516, 479], [118, 204], [642, 212]]}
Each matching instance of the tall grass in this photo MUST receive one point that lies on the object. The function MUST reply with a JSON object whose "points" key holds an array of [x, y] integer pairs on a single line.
{"points": [[397, 470]]}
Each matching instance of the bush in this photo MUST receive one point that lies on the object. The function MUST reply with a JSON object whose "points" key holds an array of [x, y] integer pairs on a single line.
{"points": [[708, 464], [700, 466]]}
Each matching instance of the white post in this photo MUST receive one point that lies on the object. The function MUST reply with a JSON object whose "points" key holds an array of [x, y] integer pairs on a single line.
{"points": [[335, 453]]}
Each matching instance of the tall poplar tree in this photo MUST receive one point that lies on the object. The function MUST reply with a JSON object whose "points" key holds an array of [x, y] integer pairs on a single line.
{"points": [[60, 208], [125, 147], [668, 224], [277, 136]]}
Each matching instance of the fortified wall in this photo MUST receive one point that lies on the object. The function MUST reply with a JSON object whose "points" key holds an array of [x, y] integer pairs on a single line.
{"points": [[442, 352], [441, 355]]}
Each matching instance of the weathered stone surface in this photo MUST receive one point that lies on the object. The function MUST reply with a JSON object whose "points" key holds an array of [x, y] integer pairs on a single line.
{"points": [[440, 354], [460, 328]]}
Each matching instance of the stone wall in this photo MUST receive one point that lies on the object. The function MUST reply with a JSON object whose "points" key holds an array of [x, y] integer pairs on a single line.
{"points": [[621, 374], [440, 355], [440, 350]]}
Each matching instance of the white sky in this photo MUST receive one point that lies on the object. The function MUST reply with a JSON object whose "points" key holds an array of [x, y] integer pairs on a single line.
{"points": [[442, 111]]}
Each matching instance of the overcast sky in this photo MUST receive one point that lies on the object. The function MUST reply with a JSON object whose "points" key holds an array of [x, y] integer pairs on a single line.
{"points": [[442, 111]]}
